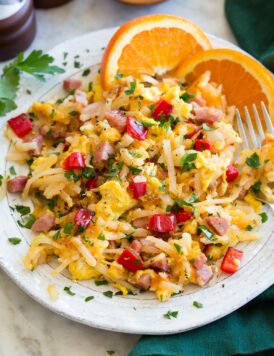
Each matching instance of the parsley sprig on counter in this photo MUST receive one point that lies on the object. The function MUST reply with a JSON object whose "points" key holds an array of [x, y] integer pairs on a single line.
{"points": [[36, 64]]}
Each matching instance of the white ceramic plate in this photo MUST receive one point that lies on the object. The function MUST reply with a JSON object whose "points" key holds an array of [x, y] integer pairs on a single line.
{"points": [[141, 314]]}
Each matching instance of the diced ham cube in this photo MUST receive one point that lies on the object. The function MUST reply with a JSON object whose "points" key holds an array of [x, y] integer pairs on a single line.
{"points": [[207, 115], [81, 97], [103, 151], [200, 261], [203, 275], [44, 223], [140, 222], [198, 100], [90, 111], [38, 140], [220, 225], [70, 84], [17, 184], [160, 265], [144, 281], [136, 245], [116, 119]]}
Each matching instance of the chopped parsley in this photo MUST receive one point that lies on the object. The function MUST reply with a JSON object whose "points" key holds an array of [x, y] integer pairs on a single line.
{"points": [[209, 234], [87, 241], [110, 352], [137, 262], [197, 304], [71, 175], [59, 101], [253, 161], [101, 282], [181, 203], [22, 209], [249, 228], [119, 76], [28, 221], [14, 240], [135, 154], [86, 72], [12, 171], [1, 179], [101, 237], [77, 64], [131, 90], [88, 173], [69, 291], [68, 228], [148, 124], [163, 166], [187, 162], [187, 96], [171, 314], [57, 235], [90, 86], [256, 187], [134, 170], [151, 107], [89, 298], [73, 113], [163, 186], [178, 248], [51, 203], [264, 217], [108, 294], [170, 122]]}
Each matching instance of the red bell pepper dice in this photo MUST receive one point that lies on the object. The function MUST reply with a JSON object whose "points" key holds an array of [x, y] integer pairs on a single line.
{"points": [[231, 173], [162, 109], [92, 183], [162, 223], [82, 217], [135, 129], [183, 216], [74, 161], [231, 261], [130, 260], [21, 125], [201, 145], [138, 187]]}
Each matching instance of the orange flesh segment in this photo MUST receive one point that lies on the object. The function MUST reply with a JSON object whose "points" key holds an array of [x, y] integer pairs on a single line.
{"points": [[154, 51]]}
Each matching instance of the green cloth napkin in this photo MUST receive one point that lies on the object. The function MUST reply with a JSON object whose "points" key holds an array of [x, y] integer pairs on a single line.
{"points": [[247, 331], [252, 22]]}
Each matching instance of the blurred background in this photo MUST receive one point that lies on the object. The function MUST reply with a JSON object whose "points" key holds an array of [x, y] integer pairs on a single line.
{"points": [[75, 17]]}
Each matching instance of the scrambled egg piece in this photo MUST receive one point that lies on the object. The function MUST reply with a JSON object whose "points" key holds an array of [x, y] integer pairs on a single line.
{"points": [[115, 201], [47, 111], [41, 164], [80, 270], [256, 205], [110, 134], [79, 143]]}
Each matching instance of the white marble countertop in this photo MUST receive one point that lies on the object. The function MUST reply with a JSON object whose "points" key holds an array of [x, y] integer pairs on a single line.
{"points": [[26, 328]]}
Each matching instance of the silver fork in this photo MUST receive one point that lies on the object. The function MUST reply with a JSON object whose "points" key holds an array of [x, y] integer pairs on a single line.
{"points": [[250, 138]]}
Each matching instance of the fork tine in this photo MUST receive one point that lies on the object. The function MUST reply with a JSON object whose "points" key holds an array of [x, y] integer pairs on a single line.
{"points": [[267, 119], [241, 129], [250, 128], [258, 122]]}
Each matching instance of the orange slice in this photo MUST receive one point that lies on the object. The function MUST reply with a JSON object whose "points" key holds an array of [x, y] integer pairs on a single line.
{"points": [[244, 80], [151, 45]]}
